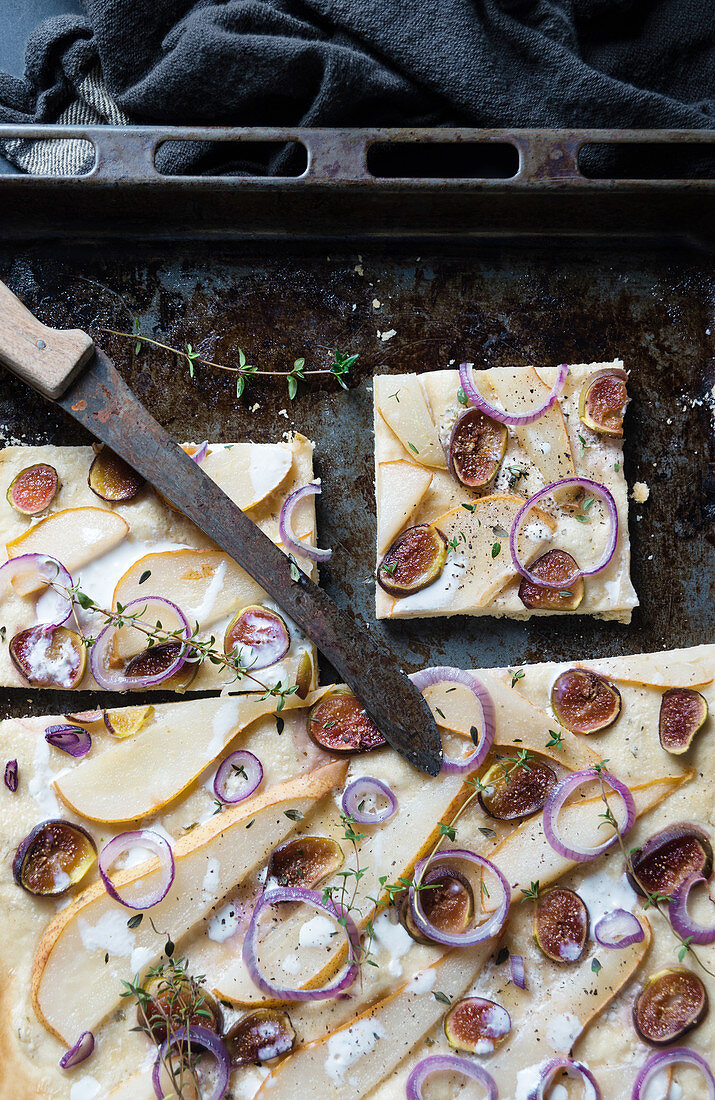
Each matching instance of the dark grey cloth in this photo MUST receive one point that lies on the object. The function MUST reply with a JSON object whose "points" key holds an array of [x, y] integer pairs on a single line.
{"points": [[611, 63]]}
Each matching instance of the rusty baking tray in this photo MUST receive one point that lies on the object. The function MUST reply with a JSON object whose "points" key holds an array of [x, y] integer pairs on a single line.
{"points": [[488, 245]]}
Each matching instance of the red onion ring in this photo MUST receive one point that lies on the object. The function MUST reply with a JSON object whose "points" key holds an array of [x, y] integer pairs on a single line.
{"points": [[200, 1037], [448, 1063], [139, 838], [309, 897], [600, 492], [577, 1070], [554, 804], [11, 775], [48, 569], [71, 739], [487, 716], [285, 525], [367, 785], [680, 918], [200, 453], [481, 932], [518, 971], [618, 928], [81, 1050], [667, 1058], [243, 785], [466, 378], [115, 680]]}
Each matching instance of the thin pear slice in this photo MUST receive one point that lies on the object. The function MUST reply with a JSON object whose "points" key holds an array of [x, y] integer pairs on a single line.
{"points": [[249, 472], [546, 440], [401, 486], [406, 412], [137, 1087], [75, 536], [679, 668], [377, 1040], [134, 778], [74, 989]]}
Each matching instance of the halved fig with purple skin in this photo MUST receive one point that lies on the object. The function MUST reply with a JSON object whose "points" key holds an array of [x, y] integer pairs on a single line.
{"points": [[153, 661], [670, 1004], [111, 479], [602, 403], [554, 565], [258, 636], [305, 861], [53, 856], [179, 1003], [262, 1035], [33, 489], [414, 561], [682, 713], [339, 724], [668, 858], [54, 658], [476, 448], [516, 790], [477, 1025], [447, 902], [584, 702], [561, 924]]}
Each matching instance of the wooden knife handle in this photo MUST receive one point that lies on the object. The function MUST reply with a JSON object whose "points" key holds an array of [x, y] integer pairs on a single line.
{"points": [[48, 359]]}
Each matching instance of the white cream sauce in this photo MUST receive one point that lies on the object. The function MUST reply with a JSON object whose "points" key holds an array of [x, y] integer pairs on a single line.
{"points": [[394, 939], [348, 1046]]}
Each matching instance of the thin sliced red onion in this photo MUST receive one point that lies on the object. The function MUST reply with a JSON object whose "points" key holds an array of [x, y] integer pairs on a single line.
{"points": [[664, 1060], [364, 787], [309, 897], [518, 971], [481, 932], [482, 732], [57, 608], [680, 918], [195, 1036], [600, 492], [576, 1070], [237, 776], [618, 928], [71, 739], [466, 378], [125, 842], [285, 525], [200, 453], [115, 679], [81, 1050], [554, 804], [448, 1063], [86, 716], [11, 775]]}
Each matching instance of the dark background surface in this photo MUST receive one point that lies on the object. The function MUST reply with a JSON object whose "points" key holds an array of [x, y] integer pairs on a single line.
{"points": [[18, 18]]}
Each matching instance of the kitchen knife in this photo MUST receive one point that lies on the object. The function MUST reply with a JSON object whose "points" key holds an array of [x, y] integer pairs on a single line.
{"points": [[65, 366]]}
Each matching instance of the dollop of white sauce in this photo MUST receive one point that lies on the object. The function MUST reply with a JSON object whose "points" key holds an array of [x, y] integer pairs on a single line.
{"points": [[85, 1089], [110, 933], [99, 578], [211, 877], [140, 957], [203, 610], [317, 932], [438, 594], [562, 1030], [224, 922], [394, 939], [291, 964], [602, 894], [60, 665], [39, 786], [527, 1081], [224, 722], [423, 981], [348, 1046]]}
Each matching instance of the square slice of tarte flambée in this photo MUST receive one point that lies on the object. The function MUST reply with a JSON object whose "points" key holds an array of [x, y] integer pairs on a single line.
{"points": [[504, 930], [127, 551], [454, 532]]}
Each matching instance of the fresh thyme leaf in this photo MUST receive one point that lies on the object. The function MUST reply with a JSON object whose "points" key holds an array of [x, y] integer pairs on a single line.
{"points": [[495, 549], [532, 893], [443, 998], [135, 921], [595, 966], [516, 676], [292, 386], [616, 466], [294, 815], [295, 573], [395, 395], [280, 724], [145, 576], [412, 447], [556, 741], [487, 832], [85, 602], [447, 830], [502, 955], [470, 507], [462, 397]]}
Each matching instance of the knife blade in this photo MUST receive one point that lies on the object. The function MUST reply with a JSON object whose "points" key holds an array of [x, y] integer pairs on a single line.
{"points": [[66, 367]]}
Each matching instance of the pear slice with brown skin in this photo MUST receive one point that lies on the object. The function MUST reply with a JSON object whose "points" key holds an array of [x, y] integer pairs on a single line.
{"points": [[405, 410]]}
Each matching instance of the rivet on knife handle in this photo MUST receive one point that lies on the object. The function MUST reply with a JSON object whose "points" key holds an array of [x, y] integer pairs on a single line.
{"points": [[48, 359]]}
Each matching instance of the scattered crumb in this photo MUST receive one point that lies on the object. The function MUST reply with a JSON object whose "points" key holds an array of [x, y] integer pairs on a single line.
{"points": [[358, 269], [255, 408], [376, 303], [387, 335], [354, 306], [640, 492], [283, 412]]}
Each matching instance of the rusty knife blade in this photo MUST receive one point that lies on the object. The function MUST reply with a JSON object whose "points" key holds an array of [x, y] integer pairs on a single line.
{"points": [[103, 403]]}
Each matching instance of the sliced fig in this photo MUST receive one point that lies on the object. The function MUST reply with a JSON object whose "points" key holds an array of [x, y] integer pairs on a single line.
{"points": [[414, 561], [33, 489], [554, 565], [259, 1037], [668, 858], [477, 1025], [585, 702], [305, 861], [602, 403], [561, 924], [111, 479], [53, 856], [476, 448], [49, 658], [516, 790], [670, 1004], [178, 1002], [258, 636], [153, 661], [339, 724], [447, 902], [304, 674], [127, 721], [682, 713]]}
